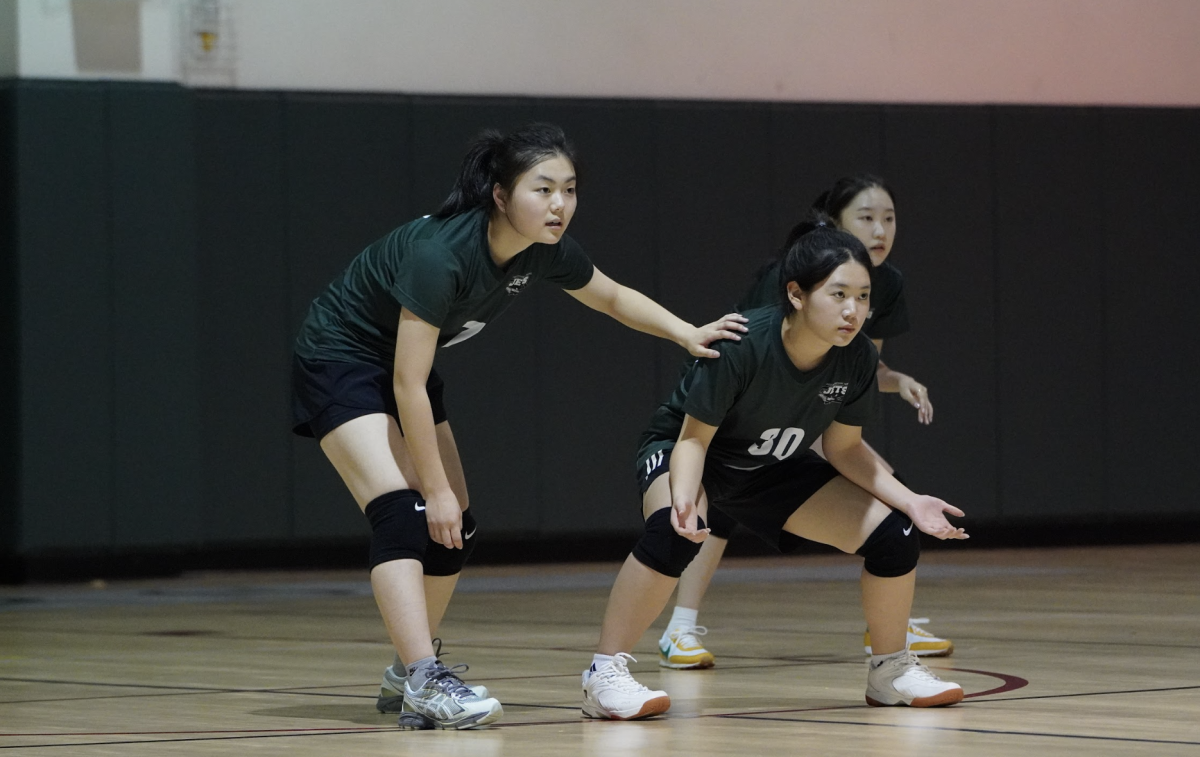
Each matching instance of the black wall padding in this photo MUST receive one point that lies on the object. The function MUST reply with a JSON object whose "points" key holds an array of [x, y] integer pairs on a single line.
{"points": [[165, 244]]}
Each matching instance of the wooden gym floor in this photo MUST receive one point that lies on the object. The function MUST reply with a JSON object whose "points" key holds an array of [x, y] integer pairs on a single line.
{"points": [[1089, 651]]}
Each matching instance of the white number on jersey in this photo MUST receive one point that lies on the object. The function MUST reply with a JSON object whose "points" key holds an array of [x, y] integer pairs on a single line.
{"points": [[781, 445], [470, 329]]}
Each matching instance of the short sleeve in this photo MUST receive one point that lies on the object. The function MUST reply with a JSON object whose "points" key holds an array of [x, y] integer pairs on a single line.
{"points": [[714, 384], [427, 282], [570, 268], [862, 402]]}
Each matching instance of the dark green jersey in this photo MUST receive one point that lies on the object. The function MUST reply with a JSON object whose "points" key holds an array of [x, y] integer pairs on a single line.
{"points": [[764, 407], [887, 318], [442, 270]]}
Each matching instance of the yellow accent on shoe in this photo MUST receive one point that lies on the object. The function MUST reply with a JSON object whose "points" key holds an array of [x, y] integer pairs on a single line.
{"points": [[681, 650], [920, 642]]}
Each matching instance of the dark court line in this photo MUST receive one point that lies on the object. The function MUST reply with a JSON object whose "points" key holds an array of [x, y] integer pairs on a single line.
{"points": [[1092, 694], [346, 732], [985, 731]]}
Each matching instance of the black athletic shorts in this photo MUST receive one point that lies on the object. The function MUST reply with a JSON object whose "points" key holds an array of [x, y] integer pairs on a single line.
{"points": [[762, 499], [325, 395]]}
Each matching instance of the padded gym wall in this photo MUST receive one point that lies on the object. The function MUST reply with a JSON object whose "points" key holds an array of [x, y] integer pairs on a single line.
{"points": [[9, 365], [167, 242]]}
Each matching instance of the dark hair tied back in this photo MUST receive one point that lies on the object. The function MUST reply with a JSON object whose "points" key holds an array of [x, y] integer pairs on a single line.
{"points": [[816, 254], [833, 201], [501, 159]]}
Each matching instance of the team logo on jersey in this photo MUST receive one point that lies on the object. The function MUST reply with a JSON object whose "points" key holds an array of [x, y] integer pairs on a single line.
{"points": [[834, 392], [517, 283]]}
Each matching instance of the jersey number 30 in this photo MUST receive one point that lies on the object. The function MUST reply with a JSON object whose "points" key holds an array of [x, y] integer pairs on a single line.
{"points": [[778, 442]]}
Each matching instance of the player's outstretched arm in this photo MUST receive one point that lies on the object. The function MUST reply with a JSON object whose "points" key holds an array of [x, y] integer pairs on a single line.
{"points": [[639, 312], [844, 449]]}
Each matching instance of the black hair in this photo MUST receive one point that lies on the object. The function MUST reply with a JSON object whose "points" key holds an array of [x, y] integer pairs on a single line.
{"points": [[816, 254], [834, 200], [826, 210], [498, 159]]}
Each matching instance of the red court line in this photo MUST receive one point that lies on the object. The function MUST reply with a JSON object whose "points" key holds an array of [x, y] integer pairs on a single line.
{"points": [[1010, 683]]}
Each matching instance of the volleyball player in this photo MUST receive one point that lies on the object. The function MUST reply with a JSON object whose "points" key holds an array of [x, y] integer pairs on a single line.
{"points": [[862, 205], [365, 385], [734, 437]]}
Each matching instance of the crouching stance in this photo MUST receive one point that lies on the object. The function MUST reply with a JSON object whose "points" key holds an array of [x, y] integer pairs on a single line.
{"points": [[735, 435]]}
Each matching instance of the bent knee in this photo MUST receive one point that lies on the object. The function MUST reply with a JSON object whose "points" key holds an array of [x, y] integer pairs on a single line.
{"points": [[893, 548]]}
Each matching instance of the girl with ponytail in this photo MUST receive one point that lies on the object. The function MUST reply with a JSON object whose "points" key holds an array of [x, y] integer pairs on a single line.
{"points": [[365, 386]]}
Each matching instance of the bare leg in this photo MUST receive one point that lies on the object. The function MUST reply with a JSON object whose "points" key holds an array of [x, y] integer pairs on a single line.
{"points": [[884, 600], [370, 456], [637, 597], [693, 584], [843, 515], [439, 589], [639, 594]]}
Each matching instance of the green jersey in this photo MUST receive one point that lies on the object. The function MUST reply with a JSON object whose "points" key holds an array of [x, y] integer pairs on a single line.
{"points": [[764, 407], [441, 269], [887, 318]]}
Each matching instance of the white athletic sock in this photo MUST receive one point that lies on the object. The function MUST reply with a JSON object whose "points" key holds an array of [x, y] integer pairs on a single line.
{"points": [[600, 659], [398, 668], [878, 659], [682, 618]]}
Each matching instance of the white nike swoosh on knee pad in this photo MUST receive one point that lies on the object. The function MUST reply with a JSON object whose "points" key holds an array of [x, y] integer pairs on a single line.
{"points": [[473, 530]]}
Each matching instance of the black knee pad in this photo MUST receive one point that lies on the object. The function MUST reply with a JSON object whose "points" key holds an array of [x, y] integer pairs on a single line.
{"points": [[721, 524], [893, 548], [443, 561], [399, 530], [661, 549]]}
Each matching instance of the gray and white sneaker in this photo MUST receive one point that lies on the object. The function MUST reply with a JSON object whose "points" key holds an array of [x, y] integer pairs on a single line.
{"points": [[446, 702], [902, 679], [391, 691]]}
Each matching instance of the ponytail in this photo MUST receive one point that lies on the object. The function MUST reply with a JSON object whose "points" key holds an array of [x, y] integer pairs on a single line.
{"points": [[473, 187]]}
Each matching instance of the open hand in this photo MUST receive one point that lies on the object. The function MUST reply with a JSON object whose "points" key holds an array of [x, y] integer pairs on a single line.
{"points": [[929, 515]]}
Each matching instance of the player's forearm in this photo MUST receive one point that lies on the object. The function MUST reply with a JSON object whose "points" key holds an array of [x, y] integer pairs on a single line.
{"points": [[687, 469], [639, 312], [859, 466], [888, 379]]}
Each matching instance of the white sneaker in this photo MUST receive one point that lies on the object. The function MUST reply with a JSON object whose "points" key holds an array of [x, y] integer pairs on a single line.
{"points": [[920, 642], [611, 693], [446, 702], [902, 679], [681, 650]]}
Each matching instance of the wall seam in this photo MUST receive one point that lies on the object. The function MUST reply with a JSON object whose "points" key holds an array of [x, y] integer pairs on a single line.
{"points": [[286, 218], [997, 363], [110, 243]]}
